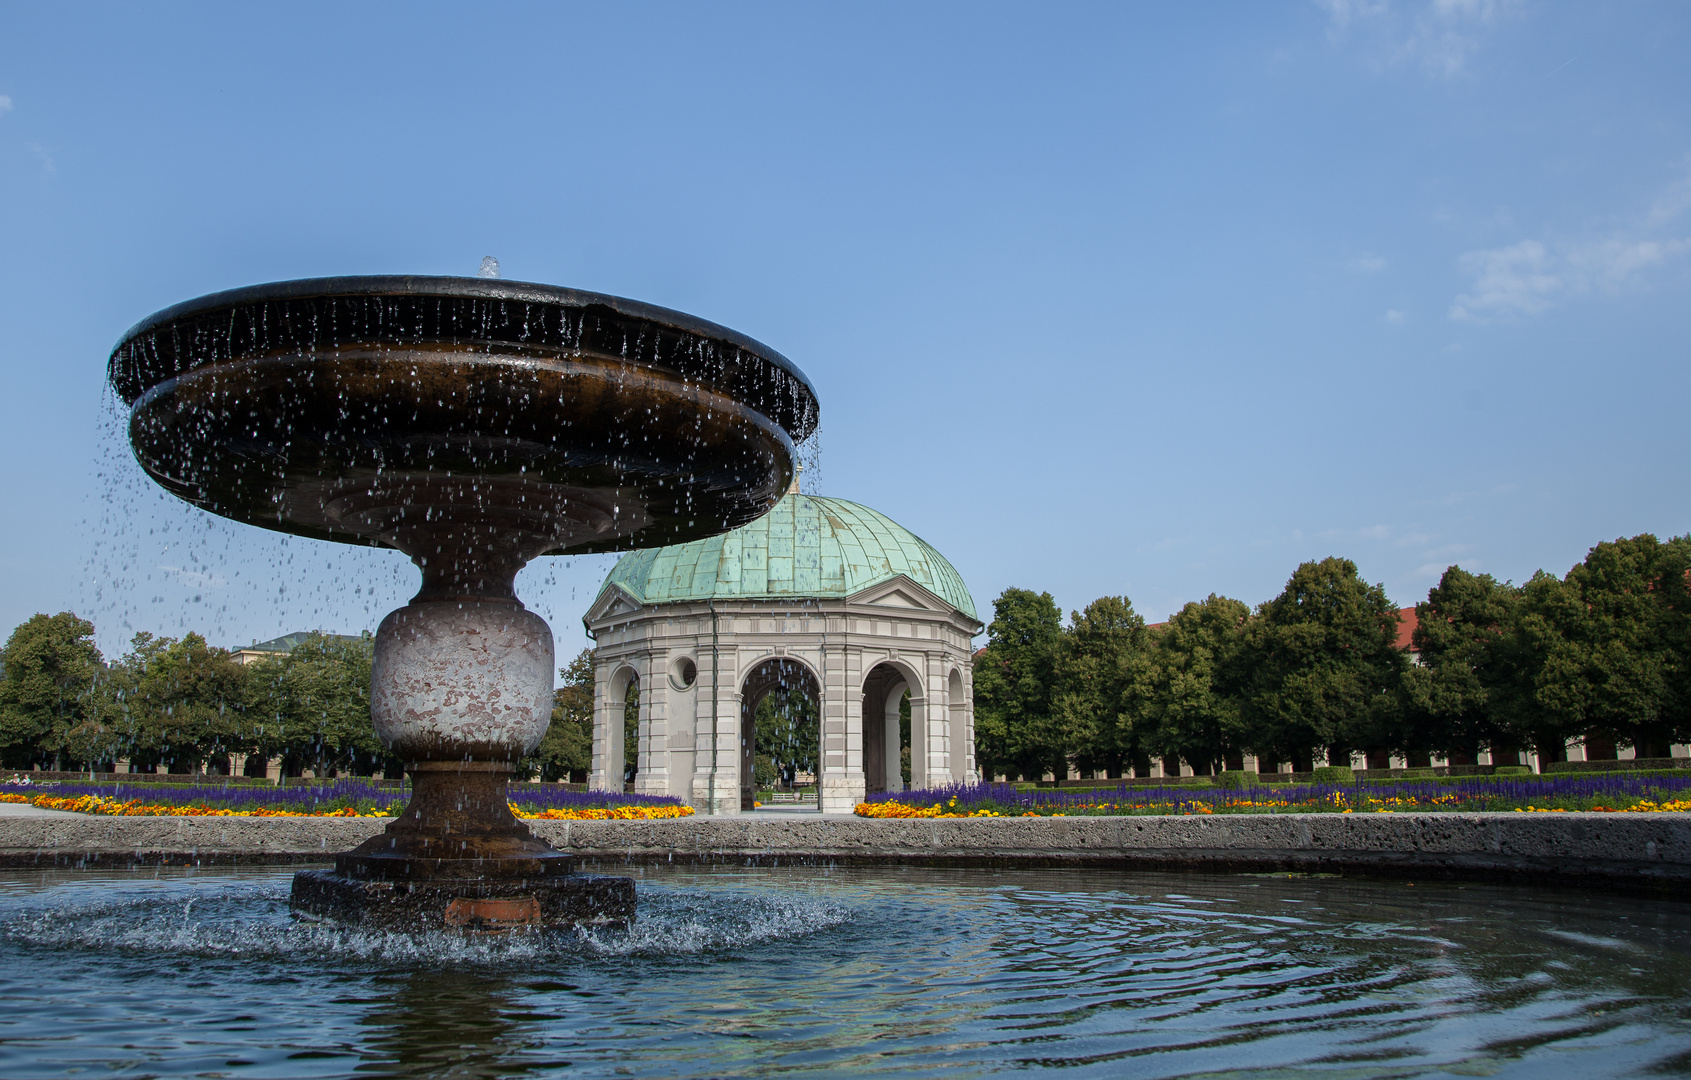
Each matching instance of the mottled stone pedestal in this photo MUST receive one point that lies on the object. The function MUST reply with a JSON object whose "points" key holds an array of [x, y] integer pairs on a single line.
{"points": [[461, 689]]}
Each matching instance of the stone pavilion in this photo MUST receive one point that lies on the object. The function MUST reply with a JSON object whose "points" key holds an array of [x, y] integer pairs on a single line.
{"points": [[820, 593]]}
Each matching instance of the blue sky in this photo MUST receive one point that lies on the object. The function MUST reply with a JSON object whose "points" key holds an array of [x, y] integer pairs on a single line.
{"points": [[1139, 300]]}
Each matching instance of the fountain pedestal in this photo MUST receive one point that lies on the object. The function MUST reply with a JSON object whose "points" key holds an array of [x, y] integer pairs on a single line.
{"points": [[461, 691]]}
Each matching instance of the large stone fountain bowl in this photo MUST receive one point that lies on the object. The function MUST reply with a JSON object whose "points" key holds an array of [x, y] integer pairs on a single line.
{"points": [[434, 413]]}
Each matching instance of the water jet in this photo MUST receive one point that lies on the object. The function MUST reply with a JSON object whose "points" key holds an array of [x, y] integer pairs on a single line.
{"points": [[473, 424]]}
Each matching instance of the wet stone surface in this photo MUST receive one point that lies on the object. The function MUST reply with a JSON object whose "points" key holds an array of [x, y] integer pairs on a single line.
{"points": [[491, 905]]}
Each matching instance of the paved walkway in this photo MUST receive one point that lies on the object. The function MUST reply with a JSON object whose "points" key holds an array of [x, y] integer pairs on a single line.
{"points": [[12, 809]]}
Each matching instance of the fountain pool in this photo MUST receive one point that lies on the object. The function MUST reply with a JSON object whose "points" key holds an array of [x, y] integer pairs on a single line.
{"points": [[814, 971]]}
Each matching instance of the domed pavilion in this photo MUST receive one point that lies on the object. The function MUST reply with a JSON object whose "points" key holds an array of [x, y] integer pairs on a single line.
{"points": [[822, 594]]}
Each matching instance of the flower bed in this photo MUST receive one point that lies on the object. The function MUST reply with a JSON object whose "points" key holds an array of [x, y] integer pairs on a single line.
{"points": [[342, 798], [608, 813], [99, 804], [1611, 793]]}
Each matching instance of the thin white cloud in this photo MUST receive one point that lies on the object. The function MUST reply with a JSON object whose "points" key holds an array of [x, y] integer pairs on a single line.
{"points": [[195, 579], [1367, 264], [1394, 317], [48, 166], [1440, 35], [1343, 12], [5, 104], [1449, 551], [1528, 277], [1450, 33]]}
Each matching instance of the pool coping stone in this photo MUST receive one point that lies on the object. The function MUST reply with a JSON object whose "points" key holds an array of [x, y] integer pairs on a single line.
{"points": [[1647, 851]]}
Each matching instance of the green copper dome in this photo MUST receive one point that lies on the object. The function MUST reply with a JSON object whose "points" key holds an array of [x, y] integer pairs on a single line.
{"points": [[807, 546]]}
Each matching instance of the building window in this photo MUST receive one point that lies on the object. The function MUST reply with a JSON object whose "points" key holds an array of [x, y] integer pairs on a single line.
{"points": [[683, 673]]}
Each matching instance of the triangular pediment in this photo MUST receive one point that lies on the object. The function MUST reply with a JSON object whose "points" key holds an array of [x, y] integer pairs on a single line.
{"points": [[611, 603], [901, 592], [897, 598]]}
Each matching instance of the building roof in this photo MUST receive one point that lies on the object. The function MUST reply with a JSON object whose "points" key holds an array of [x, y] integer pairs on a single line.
{"points": [[807, 546], [287, 643], [1407, 621]]}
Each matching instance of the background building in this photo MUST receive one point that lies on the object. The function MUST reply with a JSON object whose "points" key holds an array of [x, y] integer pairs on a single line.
{"points": [[282, 646]]}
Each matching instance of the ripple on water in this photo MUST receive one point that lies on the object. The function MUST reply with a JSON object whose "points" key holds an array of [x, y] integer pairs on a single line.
{"points": [[811, 971]]}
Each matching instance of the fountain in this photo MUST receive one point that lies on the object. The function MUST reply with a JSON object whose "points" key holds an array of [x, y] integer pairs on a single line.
{"points": [[473, 424]]}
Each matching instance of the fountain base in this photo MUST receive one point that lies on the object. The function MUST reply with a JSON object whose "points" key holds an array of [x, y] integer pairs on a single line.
{"points": [[491, 902], [456, 859]]}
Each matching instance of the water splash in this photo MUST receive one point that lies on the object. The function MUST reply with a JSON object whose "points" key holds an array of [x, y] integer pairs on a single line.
{"points": [[489, 267], [250, 921]]}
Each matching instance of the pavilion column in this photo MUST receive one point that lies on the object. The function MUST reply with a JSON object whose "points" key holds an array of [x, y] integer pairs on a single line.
{"points": [[716, 741], [841, 782], [919, 743], [939, 721], [653, 729]]}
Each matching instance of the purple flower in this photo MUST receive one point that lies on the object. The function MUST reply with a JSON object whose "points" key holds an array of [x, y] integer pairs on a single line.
{"points": [[1474, 792], [334, 794]]}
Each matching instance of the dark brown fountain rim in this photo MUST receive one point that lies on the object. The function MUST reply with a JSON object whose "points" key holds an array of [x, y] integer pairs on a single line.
{"points": [[469, 288]]}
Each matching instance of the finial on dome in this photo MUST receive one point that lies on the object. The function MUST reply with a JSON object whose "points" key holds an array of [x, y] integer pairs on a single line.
{"points": [[798, 472]]}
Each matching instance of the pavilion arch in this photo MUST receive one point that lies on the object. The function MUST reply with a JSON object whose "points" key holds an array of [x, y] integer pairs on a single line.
{"points": [[616, 752], [884, 687], [761, 659], [756, 684]]}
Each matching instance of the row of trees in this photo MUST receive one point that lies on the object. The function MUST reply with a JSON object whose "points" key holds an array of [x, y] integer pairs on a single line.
{"points": [[1601, 655], [181, 705]]}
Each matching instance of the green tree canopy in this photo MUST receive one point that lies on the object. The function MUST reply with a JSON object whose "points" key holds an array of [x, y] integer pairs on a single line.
{"points": [[1322, 666], [631, 731], [1100, 680], [789, 732], [52, 695], [1192, 703], [1604, 650], [183, 700], [566, 751], [311, 707], [1454, 698], [1014, 679]]}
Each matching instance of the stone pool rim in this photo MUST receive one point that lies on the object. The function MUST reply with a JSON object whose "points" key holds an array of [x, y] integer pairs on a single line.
{"points": [[1630, 852]]}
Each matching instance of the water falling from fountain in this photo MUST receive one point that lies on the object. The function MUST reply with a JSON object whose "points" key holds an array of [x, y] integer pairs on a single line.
{"points": [[473, 424]]}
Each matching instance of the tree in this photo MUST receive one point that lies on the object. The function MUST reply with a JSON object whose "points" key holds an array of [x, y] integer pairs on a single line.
{"points": [[788, 731], [52, 703], [311, 707], [1192, 703], [183, 701], [1014, 679], [1604, 650], [1321, 666], [1634, 592], [631, 731], [566, 751], [1454, 699], [1100, 674]]}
